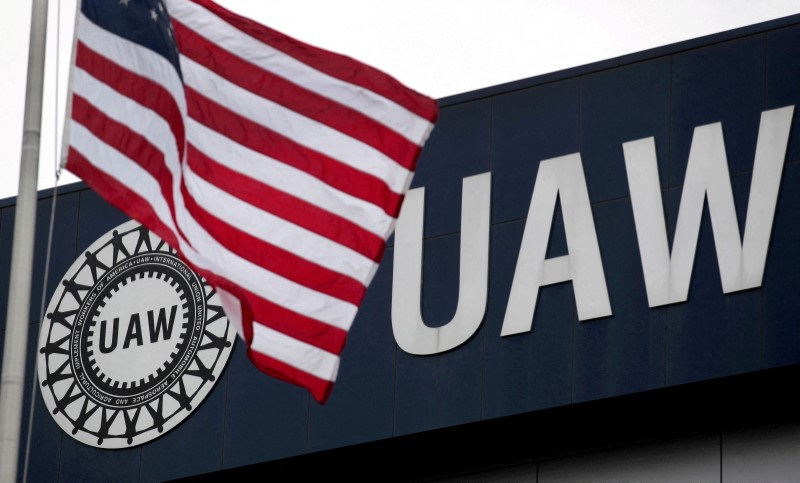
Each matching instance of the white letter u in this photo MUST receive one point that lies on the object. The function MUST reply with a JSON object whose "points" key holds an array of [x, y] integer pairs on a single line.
{"points": [[410, 331]]}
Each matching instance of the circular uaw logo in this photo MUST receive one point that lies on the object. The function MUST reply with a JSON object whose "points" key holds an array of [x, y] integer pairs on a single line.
{"points": [[132, 342]]}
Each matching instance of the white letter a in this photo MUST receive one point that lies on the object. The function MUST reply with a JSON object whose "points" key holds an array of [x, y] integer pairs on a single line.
{"points": [[558, 177]]}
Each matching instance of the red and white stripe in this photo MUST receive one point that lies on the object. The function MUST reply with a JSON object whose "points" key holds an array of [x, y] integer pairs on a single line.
{"points": [[277, 170]]}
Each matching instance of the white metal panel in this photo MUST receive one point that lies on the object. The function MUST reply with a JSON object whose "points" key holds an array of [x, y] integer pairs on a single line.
{"points": [[763, 453], [686, 459]]}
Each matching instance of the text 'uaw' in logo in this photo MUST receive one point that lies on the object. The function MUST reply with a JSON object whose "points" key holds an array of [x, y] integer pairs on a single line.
{"points": [[132, 342]]}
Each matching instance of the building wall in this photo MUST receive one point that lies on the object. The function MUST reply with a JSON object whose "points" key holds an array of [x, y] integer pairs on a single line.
{"points": [[384, 393], [760, 453]]}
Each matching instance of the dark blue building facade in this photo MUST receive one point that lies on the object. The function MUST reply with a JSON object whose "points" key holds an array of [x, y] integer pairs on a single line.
{"points": [[707, 363]]}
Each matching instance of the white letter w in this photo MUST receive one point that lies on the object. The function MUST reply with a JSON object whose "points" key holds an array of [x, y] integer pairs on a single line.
{"points": [[741, 264]]}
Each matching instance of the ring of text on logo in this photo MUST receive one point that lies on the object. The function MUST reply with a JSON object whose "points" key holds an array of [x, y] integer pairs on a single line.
{"points": [[133, 340]]}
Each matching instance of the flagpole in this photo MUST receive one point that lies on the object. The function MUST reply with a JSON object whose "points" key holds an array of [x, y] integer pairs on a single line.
{"points": [[19, 293]]}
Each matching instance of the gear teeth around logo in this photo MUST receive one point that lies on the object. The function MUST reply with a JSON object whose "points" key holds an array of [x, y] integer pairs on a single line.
{"points": [[99, 373]]}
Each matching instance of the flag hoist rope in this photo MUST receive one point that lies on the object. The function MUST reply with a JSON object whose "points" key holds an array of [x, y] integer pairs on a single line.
{"points": [[34, 378], [17, 318], [53, 204]]}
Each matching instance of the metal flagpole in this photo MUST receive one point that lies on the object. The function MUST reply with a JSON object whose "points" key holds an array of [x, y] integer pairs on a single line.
{"points": [[19, 293]]}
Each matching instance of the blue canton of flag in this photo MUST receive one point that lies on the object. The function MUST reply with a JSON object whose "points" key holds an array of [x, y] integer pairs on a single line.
{"points": [[143, 22]]}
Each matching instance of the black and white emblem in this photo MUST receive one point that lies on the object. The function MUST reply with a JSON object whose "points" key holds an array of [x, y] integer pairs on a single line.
{"points": [[132, 342]]}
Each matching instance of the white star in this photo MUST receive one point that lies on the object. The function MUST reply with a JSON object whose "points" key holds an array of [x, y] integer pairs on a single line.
{"points": [[161, 7], [154, 15], [124, 3]]}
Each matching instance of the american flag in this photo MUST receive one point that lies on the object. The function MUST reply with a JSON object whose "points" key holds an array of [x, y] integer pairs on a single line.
{"points": [[275, 168]]}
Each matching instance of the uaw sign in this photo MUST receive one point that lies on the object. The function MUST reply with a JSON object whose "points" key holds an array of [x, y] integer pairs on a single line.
{"points": [[666, 273], [132, 342]]}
